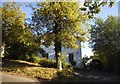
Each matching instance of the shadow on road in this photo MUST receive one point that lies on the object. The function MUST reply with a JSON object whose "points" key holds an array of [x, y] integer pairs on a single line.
{"points": [[97, 76]]}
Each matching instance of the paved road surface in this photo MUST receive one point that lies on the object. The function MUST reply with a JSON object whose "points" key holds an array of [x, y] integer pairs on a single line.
{"points": [[97, 76], [85, 76], [11, 78]]}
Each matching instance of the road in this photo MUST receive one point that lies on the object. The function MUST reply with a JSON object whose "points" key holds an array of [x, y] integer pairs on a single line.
{"points": [[11, 78], [84, 76], [97, 76]]}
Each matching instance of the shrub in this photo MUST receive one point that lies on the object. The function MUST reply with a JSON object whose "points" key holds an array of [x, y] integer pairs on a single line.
{"points": [[36, 59], [65, 65], [65, 74], [47, 63], [24, 57], [73, 63]]}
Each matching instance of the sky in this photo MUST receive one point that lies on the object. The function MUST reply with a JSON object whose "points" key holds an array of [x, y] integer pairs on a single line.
{"points": [[105, 11]]}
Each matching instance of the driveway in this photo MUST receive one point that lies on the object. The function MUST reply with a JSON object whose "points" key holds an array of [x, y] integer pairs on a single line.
{"points": [[97, 76]]}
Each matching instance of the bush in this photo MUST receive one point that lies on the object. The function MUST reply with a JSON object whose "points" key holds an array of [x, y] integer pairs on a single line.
{"points": [[65, 74], [36, 59], [73, 63], [65, 65], [47, 63], [25, 57]]}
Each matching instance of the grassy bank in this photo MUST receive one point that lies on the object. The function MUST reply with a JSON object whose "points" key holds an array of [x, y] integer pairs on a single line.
{"points": [[27, 69], [36, 71]]}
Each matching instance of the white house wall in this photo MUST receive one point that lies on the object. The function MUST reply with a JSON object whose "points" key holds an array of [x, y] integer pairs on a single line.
{"points": [[76, 54], [50, 51], [65, 51]]}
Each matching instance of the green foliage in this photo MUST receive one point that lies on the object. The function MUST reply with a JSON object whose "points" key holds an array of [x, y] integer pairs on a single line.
{"points": [[59, 24], [65, 65], [43, 52], [94, 7], [60, 20], [73, 63], [13, 25], [19, 40], [47, 63], [65, 74], [35, 59], [105, 41], [52, 23], [63, 23], [16, 51], [21, 57]]}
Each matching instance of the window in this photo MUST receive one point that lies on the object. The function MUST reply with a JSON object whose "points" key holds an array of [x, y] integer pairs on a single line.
{"points": [[71, 57]]}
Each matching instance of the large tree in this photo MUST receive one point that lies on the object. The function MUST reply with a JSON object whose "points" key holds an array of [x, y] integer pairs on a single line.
{"points": [[60, 24], [105, 41], [13, 24], [63, 23], [16, 34]]}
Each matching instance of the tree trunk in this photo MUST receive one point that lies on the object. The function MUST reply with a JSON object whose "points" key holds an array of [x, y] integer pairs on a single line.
{"points": [[57, 53], [57, 44]]}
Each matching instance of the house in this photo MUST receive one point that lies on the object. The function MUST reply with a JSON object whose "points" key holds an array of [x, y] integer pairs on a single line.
{"points": [[71, 54]]}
